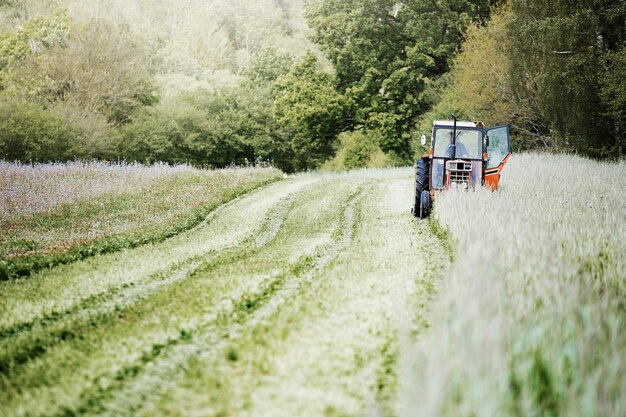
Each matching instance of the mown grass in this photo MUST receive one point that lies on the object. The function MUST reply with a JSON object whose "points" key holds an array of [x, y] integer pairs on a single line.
{"points": [[294, 301], [531, 319], [58, 213], [289, 301], [109, 361], [331, 349]]}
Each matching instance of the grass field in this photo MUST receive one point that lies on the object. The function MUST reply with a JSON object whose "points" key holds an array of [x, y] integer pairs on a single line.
{"points": [[531, 318], [57, 213], [296, 294], [321, 295]]}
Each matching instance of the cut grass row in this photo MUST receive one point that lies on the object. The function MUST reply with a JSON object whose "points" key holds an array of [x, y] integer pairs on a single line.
{"points": [[289, 301], [52, 293], [104, 208], [216, 344], [85, 373], [333, 349], [25, 341]]}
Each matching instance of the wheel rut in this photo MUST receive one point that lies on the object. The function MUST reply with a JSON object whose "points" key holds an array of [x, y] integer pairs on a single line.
{"points": [[158, 369], [288, 301], [27, 341]]}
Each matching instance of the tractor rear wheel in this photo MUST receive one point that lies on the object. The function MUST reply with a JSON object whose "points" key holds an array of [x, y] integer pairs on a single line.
{"points": [[421, 184]]}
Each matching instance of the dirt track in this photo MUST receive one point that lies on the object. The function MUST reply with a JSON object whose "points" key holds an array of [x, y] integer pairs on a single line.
{"points": [[291, 301]]}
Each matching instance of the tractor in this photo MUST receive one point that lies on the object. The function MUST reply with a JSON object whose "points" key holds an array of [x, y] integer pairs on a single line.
{"points": [[462, 155]]}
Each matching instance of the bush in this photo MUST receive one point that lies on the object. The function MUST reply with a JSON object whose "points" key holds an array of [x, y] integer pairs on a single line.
{"points": [[154, 135], [358, 148], [361, 149], [95, 138], [202, 128], [100, 68], [30, 133]]}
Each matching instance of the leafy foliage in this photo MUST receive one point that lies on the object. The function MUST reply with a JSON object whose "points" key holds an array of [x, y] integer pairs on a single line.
{"points": [[36, 35], [233, 125], [212, 87], [99, 69], [479, 85], [361, 149], [386, 52], [561, 48], [311, 110], [30, 133], [553, 71]]}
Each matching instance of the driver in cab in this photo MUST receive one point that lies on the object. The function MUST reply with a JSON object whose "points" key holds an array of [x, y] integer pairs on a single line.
{"points": [[461, 150]]}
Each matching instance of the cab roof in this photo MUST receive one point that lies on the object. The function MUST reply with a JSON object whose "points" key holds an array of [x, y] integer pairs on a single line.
{"points": [[459, 123]]}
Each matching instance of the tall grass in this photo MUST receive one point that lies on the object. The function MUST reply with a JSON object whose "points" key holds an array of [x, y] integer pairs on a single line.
{"points": [[55, 213], [531, 318]]}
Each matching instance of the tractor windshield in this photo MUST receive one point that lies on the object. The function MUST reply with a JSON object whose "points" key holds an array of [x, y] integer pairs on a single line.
{"points": [[468, 143]]}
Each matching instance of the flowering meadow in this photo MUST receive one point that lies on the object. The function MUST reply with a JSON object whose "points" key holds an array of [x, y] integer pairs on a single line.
{"points": [[54, 213]]}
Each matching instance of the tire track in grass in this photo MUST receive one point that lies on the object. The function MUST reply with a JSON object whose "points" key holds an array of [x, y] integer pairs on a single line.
{"points": [[333, 348], [30, 340], [92, 360], [51, 292], [160, 369]]}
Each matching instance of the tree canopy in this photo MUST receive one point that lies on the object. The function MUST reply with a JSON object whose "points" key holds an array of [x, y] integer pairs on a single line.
{"points": [[215, 83], [554, 70], [386, 52]]}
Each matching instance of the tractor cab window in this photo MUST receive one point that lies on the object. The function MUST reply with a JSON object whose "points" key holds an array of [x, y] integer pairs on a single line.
{"points": [[499, 145], [468, 143]]}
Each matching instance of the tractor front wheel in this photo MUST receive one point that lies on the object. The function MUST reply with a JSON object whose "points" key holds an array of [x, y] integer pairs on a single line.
{"points": [[421, 185]]}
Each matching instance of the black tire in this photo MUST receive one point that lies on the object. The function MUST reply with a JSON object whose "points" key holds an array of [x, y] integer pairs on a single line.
{"points": [[421, 183], [424, 204]]}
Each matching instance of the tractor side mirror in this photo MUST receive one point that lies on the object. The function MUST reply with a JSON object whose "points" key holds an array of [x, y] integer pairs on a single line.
{"points": [[423, 139]]}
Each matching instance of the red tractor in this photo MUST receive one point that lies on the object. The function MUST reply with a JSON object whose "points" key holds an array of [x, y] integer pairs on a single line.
{"points": [[462, 156]]}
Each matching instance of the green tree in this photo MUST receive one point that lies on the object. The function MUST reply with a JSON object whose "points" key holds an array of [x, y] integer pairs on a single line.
{"points": [[230, 125], [30, 133], [100, 68], [267, 67], [155, 134], [479, 85], [613, 94], [564, 54], [385, 53], [358, 150], [311, 112], [35, 36], [258, 91], [202, 127]]}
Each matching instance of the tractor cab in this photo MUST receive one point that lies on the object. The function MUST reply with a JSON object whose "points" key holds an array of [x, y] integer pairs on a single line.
{"points": [[462, 155]]}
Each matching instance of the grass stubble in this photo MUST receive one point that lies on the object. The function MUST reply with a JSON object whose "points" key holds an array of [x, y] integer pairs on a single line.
{"points": [[195, 324]]}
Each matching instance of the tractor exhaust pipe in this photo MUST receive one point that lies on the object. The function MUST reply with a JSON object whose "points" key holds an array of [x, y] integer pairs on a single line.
{"points": [[454, 137]]}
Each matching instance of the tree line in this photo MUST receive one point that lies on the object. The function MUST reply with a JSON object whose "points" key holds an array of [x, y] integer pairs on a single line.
{"points": [[554, 70], [380, 72]]}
